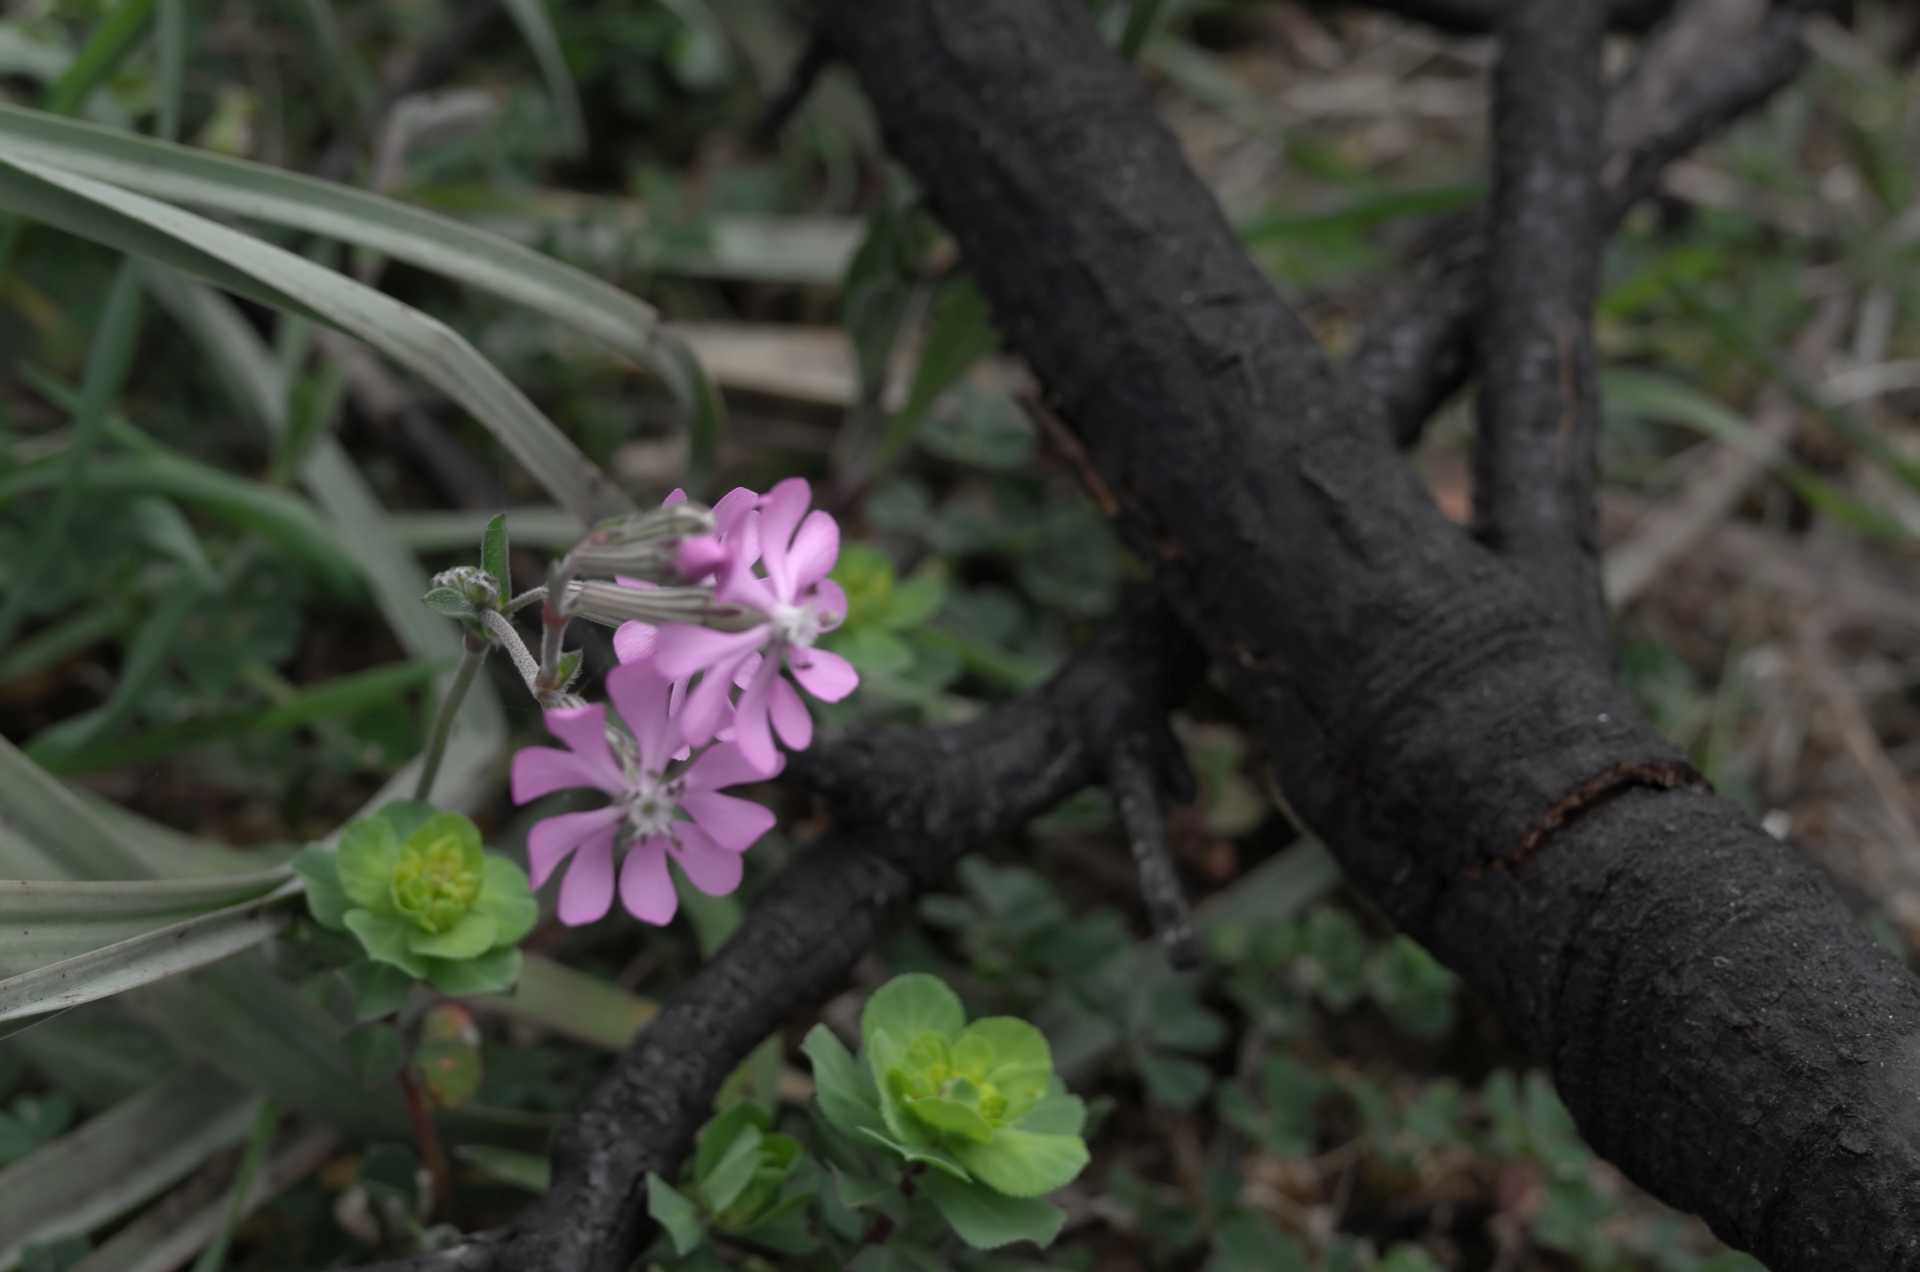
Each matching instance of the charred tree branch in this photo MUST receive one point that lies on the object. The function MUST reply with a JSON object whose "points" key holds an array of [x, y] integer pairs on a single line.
{"points": [[1717, 60], [1715, 1020], [1537, 452]]}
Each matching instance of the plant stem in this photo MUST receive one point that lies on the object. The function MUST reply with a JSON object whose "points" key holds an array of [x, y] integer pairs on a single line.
{"points": [[473, 655], [509, 639]]}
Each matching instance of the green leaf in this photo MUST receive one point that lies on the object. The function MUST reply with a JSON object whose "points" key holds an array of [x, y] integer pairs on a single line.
{"points": [[910, 1005], [1011, 1048], [722, 1186], [506, 896], [379, 989], [406, 816], [327, 901], [1023, 1163], [717, 1136], [448, 603], [1174, 1081], [1056, 1114], [472, 936], [385, 940], [987, 1220], [958, 336], [950, 1117], [492, 973], [844, 1089], [929, 1153], [919, 597], [675, 1213], [364, 863], [494, 558]]}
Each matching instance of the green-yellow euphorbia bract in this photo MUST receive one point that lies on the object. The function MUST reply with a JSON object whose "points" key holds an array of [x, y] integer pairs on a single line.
{"points": [[421, 894], [982, 1095]]}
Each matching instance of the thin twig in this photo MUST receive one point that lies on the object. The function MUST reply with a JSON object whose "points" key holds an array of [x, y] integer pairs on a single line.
{"points": [[473, 653]]}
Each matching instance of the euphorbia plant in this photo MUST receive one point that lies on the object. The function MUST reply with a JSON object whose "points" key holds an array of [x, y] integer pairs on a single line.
{"points": [[420, 894], [979, 1104]]}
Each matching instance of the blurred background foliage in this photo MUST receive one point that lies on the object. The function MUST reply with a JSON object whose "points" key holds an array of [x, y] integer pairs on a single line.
{"points": [[185, 632]]}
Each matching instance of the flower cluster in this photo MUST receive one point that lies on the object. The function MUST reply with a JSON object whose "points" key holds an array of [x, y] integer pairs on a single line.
{"points": [[696, 710]]}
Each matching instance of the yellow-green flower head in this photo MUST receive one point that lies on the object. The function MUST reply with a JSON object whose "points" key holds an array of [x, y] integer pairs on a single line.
{"points": [[437, 878], [421, 894], [979, 1099]]}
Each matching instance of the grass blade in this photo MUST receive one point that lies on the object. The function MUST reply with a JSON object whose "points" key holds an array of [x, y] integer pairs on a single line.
{"points": [[258, 192], [238, 262], [108, 360], [536, 28], [141, 960], [106, 46], [119, 1159], [50, 921]]}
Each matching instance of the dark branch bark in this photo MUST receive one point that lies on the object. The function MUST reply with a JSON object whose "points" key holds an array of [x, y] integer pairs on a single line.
{"points": [[1717, 1023], [1537, 451], [909, 802], [1713, 64], [1482, 17]]}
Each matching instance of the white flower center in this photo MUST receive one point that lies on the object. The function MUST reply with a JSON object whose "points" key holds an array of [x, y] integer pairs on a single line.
{"points": [[796, 625], [652, 804]]}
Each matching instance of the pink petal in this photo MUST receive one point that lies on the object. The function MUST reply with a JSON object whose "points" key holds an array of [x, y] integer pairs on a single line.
{"points": [[684, 649], [724, 765], [732, 823], [584, 730], [743, 674], [790, 718], [586, 893], [709, 867], [699, 556], [633, 641], [674, 496], [825, 675], [552, 838], [780, 514], [815, 548], [741, 586], [750, 720], [706, 708], [645, 887], [733, 508], [640, 694], [829, 602], [542, 770]]}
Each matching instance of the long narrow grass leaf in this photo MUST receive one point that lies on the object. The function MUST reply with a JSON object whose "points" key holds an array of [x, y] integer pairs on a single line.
{"points": [[237, 262], [119, 1159], [185, 174], [108, 359], [162, 952], [109, 42], [536, 28]]}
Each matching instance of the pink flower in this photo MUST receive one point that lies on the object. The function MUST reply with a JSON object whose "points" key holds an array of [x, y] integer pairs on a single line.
{"points": [[697, 558], [799, 603], [657, 807]]}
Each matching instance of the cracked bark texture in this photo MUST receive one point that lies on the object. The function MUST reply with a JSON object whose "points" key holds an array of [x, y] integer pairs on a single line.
{"points": [[1717, 1023]]}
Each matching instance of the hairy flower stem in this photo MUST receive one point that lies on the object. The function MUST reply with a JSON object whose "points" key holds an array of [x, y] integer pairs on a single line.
{"points": [[508, 639], [473, 654]]}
